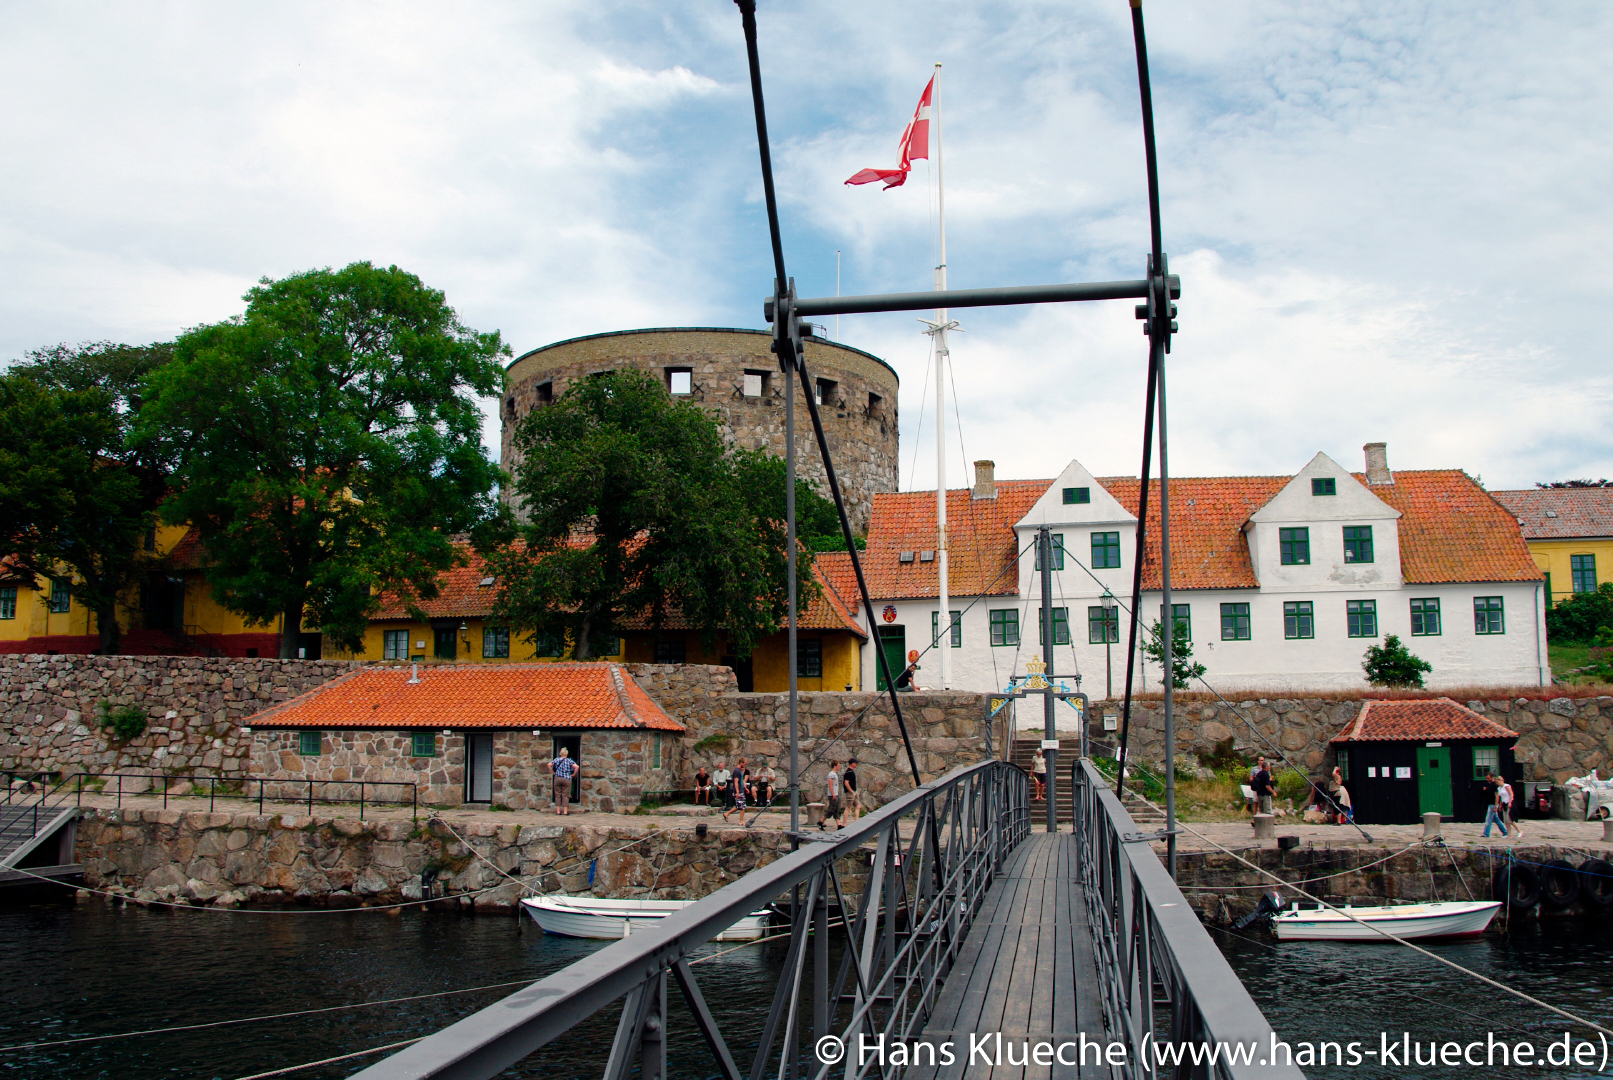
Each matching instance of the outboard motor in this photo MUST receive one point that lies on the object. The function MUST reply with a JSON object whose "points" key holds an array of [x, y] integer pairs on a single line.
{"points": [[1270, 904]]}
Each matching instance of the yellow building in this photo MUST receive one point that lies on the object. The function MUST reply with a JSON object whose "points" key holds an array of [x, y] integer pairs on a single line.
{"points": [[1569, 532], [171, 612], [458, 627]]}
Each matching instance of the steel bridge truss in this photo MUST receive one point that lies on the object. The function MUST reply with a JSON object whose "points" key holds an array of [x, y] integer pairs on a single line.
{"points": [[925, 863], [1163, 982]]}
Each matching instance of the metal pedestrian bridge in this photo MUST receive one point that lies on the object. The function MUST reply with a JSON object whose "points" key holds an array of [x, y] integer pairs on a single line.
{"points": [[941, 920]]}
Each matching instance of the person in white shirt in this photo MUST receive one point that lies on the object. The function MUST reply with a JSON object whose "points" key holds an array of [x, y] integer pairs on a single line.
{"points": [[719, 782], [833, 808], [1507, 801]]}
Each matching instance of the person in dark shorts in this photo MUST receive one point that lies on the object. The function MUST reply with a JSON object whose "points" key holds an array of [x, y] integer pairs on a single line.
{"points": [[702, 786], [832, 807], [762, 785], [852, 797], [737, 785]]}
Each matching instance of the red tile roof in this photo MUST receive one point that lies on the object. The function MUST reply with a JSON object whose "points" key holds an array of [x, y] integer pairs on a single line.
{"points": [[1451, 530], [1439, 718], [1560, 513], [551, 696], [980, 531], [188, 554]]}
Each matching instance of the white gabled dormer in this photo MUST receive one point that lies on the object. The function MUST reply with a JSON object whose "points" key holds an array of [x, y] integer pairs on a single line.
{"points": [[1076, 506], [1325, 530]]}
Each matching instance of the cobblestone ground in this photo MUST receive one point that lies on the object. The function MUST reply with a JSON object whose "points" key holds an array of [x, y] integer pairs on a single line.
{"points": [[1537, 832]]}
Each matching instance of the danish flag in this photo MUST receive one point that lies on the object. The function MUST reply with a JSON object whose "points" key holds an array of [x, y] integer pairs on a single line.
{"points": [[915, 144]]}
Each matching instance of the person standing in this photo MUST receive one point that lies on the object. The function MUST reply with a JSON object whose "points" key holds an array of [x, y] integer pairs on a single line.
{"points": [[831, 806], [1262, 787], [702, 786], [1039, 775], [719, 781], [563, 769], [852, 797], [1346, 809], [1493, 813]]}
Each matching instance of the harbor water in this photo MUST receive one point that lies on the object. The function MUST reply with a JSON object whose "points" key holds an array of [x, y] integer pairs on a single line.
{"points": [[75, 970]]}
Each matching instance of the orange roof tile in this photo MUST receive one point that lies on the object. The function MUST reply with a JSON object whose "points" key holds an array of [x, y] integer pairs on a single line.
{"points": [[1208, 547], [1560, 513], [980, 534], [549, 696], [1439, 718], [1453, 530], [188, 554]]}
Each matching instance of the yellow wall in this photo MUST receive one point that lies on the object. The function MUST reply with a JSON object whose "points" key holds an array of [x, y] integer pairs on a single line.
{"points": [[1552, 556], [422, 643], [842, 662]]}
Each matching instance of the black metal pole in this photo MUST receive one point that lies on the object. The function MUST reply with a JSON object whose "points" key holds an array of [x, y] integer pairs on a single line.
{"points": [[1050, 745]]}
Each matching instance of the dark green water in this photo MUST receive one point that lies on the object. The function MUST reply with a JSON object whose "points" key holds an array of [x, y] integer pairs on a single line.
{"points": [[1341, 992], [89, 969]]}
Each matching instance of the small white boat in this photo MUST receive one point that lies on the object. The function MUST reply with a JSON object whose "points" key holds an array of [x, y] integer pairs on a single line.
{"points": [[592, 917], [1439, 919]]}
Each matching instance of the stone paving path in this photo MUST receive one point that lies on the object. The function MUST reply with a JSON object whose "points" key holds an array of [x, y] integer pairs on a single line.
{"points": [[1537, 832]]}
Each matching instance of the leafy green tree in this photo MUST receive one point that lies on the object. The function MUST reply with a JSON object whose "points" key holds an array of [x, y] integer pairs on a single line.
{"points": [[1392, 664], [634, 505], [1576, 620], [1183, 670], [80, 496], [327, 444]]}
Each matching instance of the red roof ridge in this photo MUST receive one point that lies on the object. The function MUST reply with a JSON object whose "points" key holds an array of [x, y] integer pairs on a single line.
{"points": [[1383, 720]]}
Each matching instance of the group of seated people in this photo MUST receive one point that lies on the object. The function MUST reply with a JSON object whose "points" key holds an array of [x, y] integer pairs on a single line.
{"points": [[734, 788]]}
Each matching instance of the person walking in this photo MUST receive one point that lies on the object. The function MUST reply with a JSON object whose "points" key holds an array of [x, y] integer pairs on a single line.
{"points": [[1262, 787], [702, 786], [832, 807], [1493, 813], [1039, 775], [737, 785], [563, 769], [719, 781], [1508, 802], [852, 797]]}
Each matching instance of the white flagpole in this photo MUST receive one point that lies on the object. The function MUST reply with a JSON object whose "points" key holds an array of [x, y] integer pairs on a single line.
{"points": [[943, 620]]}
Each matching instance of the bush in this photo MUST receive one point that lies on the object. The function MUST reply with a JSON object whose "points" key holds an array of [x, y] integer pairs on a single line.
{"points": [[1392, 664], [125, 723], [1577, 619]]}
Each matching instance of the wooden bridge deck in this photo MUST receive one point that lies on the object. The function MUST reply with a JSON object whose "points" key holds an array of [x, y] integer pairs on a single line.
{"points": [[1026, 971]]}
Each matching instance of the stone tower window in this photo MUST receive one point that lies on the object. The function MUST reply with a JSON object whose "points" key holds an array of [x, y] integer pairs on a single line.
{"points": [[679, 381], [543, 393], [826, 391], [755, 383], [876, 406]]}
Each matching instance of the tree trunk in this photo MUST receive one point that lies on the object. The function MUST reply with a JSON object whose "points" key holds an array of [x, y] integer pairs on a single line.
{"points": [[580, 650], [106, 625], [291, 631]]}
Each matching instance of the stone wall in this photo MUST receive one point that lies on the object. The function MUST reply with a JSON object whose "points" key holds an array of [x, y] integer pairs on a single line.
{"points": [[861, 439], [193, 705], [238, 858], [1559, 737]]}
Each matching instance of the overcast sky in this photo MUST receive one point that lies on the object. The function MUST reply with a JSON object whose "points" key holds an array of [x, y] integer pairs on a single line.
{"points": [[1391, 220]]}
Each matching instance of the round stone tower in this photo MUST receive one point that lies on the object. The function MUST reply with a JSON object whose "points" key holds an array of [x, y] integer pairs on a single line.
{"points": [[734, 375]]}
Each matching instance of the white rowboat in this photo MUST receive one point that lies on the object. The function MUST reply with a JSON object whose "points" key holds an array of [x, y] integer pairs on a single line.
{"points": [[1438, 919], [591, 917]]}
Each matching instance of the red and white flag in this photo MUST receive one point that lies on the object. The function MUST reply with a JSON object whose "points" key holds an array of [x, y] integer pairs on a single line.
{"points": [[915, 144]]}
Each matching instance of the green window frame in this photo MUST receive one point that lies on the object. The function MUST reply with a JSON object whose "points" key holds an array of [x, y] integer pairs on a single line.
{"points": [[1324, 485], [611, 646], [1344, 766], [1005, 627], [1299, 619], [1294, 547], [809, 658], [496, 642], [8, 601], [957, 629], [1361, 617], [548, 646], [61, 599], [394, 644], [1425, 617], [1097, 616], [1058, 552], [423, 744], [310, 743], [1357, 543], [677, 651], [1106, 551], [1074, 495], [1549, 598], [1235, 622], [655, 750], [1061, 627], [1486, 760], [1489, 615], [1583, 570], [1182, 617]]}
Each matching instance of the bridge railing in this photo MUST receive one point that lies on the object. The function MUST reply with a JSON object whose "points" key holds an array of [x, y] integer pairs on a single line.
{"points": [[924, 863], [1167, 991]]}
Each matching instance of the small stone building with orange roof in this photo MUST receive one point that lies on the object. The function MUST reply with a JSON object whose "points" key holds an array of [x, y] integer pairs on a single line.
{"points": [[1402, 759], [471, 734]]}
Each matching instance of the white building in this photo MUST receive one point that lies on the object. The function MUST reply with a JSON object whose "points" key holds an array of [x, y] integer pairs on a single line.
{"points": [[1283, 581]]}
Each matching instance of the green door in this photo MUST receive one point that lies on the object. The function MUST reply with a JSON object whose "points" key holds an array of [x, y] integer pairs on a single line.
{"points": [[1434, 780], [893, 641]]}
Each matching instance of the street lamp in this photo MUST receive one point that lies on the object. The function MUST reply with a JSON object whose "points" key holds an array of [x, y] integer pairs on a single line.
{"points": [[1109, 626]]}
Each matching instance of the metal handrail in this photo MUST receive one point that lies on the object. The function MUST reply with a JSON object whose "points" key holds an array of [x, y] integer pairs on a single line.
{"points": [[1164, 982], [16, 813], [924, 885], [213, 783]]}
